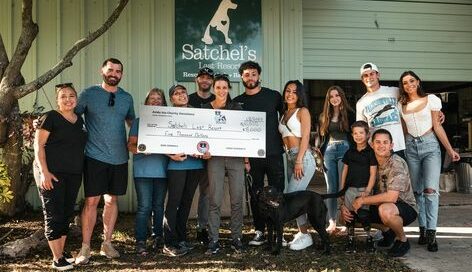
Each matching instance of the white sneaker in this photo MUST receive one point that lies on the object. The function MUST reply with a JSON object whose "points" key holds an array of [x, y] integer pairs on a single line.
{"points": [[296, 237], [284, 242], [303, 242], [258, 239], [84, 255]]}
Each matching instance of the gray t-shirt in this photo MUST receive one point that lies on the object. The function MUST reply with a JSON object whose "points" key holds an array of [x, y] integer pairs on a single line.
{"points": [[105, 124]]}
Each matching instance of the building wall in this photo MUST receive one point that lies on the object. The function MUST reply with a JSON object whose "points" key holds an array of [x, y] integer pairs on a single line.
{"points": [[143, 38], [433, 38]]}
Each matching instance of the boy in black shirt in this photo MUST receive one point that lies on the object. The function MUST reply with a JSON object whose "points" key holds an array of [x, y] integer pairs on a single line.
{"points": [[358, 178]]}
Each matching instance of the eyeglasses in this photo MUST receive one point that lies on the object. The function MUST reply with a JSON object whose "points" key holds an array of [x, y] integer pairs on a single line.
{"points": [[64, 85], [111, 100], [217, 76]]}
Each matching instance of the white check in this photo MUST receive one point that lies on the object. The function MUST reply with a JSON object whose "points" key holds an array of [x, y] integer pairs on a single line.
{"points": [[172, 130]]}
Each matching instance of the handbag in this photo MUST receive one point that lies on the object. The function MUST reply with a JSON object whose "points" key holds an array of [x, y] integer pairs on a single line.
{"points": [[319, 160]]}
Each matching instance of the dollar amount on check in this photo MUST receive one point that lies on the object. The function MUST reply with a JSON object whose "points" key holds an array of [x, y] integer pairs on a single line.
{"points": [[173, 130]]}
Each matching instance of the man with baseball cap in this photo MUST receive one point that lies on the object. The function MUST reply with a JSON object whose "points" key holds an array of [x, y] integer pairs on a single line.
{"points": [[378, 106], [201, 96]]}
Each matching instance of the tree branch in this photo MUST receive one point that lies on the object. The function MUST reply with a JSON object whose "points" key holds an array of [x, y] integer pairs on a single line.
{"points": [[29, 30], [3, 57], [66, 61]]}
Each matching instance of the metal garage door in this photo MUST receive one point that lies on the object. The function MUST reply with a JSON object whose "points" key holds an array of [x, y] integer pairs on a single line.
{"points": [[432, 37]]}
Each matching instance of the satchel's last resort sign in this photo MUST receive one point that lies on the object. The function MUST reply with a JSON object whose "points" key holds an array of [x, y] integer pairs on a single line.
{"points": [[219, 34]]}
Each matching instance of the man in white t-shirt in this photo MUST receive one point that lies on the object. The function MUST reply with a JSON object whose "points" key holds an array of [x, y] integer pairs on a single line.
{"points": [[378, 106]]}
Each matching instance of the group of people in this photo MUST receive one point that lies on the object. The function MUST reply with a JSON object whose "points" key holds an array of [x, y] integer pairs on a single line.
{"points": [[377, 183]]}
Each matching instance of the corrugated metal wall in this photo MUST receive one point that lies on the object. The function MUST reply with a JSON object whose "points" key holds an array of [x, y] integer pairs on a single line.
{"points": [[434, 38], [143, 38]]}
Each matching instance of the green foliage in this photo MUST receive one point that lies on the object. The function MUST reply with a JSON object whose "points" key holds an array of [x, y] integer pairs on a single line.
{"points": [[5, 194]]}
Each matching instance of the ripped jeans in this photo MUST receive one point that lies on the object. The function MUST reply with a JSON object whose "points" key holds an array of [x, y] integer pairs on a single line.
{"points": [[294, 184], [424, 162]]}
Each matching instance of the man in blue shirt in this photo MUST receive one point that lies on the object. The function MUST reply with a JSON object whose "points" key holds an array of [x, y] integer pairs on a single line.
{"points": [[106, 107]]}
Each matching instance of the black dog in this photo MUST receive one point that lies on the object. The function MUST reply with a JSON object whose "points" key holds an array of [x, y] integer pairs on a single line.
{"points": [[278, 208]]}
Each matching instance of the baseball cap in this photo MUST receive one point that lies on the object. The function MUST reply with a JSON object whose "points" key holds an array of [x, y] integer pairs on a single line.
{"points": [[175, 87], [205, 71], [369, 66]]}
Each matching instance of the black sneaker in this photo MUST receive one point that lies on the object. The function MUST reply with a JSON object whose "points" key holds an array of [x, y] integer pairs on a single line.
{"points": [[68, 256], [258, 239], [237, 245], [350, 245], [141, 248], [399, 249], [369, 244], [213, 248], [173, 251], [62, 264], [186, 245], [387, 241], [202, 236], [157, 243]]}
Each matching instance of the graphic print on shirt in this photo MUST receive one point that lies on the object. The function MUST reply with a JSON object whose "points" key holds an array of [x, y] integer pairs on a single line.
{"points": [[382, 111]]}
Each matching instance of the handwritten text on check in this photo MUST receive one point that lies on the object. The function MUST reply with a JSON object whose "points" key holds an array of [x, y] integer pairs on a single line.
{"points": [[172, 130]]}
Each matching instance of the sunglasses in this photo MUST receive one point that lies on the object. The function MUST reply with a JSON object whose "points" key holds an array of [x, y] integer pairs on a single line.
{"points": [[64, 85], [217, 76], [111, 100]]}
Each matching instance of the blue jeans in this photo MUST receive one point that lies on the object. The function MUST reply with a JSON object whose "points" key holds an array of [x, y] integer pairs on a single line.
{"points": [[309, 168], [151, 193], [424, 162], [334, 166]]}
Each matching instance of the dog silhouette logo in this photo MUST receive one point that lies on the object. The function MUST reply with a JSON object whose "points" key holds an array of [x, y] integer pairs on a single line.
{"points": [[221, 21], [220, 118]]}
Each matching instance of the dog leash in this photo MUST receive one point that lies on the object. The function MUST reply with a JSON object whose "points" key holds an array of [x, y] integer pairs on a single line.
{"points": [[248, 183]]}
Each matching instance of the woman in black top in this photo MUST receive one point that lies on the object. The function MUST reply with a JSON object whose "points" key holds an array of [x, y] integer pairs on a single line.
{"points": [[335, 121], [217, 167], [59, 152]]}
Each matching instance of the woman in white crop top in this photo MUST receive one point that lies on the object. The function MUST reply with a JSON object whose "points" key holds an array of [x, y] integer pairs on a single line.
{"points": [[295, 125], [420, 116]]}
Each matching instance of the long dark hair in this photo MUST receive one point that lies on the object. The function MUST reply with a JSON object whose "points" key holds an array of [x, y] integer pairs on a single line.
{"points": [[404, 98], [328, 111], [302, 100]]}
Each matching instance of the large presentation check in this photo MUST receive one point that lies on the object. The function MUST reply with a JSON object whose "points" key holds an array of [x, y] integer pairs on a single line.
{"points": [[172, 130]]}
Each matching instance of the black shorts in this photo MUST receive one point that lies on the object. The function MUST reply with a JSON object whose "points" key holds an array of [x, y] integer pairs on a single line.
{"points": [[407, 213], [103, 178]]}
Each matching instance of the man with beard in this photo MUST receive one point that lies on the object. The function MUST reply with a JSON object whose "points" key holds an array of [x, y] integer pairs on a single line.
{"points": [[257, 98], [106, 108], [202, 96]]}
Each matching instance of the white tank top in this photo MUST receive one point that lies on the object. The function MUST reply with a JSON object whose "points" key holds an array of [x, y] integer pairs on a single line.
{"points": [[292, 128]]}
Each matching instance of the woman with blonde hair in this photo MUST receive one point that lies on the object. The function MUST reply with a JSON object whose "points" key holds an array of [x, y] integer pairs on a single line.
{"points": [[150, 182], [335, 122]]}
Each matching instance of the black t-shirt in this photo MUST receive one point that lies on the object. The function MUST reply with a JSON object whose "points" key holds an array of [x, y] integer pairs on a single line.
{"points": [[65, 144], [197, 102], [270, 102], [359, 163]]}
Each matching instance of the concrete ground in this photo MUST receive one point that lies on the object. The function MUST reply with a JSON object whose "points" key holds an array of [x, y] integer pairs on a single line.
{"points": [[454, 236]]}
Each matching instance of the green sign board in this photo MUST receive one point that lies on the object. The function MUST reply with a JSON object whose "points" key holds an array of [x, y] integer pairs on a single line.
{"points": [[219, 34]]}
